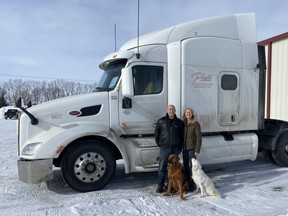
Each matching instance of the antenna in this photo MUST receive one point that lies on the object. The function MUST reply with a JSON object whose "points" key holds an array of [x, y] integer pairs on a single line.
{"points": [[115, 37], [138, 53]]}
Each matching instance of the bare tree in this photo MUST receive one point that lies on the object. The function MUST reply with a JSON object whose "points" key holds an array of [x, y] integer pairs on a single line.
{"points": [[37, 91], [41, 91], [14, 89], [2, 97], [53, 90], [25, 92], [69, 88]]}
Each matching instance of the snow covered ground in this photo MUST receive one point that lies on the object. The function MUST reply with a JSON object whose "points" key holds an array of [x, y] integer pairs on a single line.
{"points": [[248, 188]]}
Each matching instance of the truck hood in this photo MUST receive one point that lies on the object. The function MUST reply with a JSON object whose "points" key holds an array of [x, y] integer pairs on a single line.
{"points": [[70, 109]]}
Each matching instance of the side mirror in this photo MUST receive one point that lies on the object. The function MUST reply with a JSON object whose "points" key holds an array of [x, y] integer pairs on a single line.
{"points": [[127, 82], [29, 104], [19, 103], [34, 121]]}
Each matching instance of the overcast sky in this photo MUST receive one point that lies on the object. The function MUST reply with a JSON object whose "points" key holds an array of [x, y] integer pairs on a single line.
{"points": [[66, 39]]}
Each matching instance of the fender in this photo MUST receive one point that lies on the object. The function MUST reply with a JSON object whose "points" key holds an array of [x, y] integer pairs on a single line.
{"points": [[273, 129], [63, 135], [118, 142]]}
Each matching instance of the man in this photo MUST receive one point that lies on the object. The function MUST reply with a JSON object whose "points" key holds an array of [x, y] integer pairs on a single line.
{"points": [[169, 137]]}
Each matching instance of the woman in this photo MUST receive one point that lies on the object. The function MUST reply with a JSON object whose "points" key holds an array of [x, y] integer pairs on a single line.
{"points": [[192, 143]]}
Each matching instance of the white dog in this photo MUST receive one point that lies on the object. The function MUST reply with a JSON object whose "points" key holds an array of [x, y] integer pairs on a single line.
{"points": [[203, 181]]}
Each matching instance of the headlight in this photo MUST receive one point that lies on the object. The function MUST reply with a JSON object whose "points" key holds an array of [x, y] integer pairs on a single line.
{"points": [[31, 148]]}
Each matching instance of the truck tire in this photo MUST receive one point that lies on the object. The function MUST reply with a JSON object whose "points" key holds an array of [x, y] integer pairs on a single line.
{"points": [[267, 155], [280, 154], [88, 166]]}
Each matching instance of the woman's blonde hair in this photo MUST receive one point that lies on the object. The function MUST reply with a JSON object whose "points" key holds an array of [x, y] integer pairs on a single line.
{"points": [[193, 114]]}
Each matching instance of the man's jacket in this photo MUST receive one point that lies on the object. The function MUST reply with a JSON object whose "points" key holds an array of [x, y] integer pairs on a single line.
{"points": [[169, 133]]}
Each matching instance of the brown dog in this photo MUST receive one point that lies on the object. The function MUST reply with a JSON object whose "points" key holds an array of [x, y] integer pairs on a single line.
{"points": [[176, 177]]}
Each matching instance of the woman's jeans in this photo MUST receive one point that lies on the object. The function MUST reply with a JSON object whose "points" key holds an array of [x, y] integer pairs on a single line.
{"points": [[187, 156]]}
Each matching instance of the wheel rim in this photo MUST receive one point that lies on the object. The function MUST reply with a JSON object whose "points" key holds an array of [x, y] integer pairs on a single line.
{"points": [[286, 148], [89, 167]]}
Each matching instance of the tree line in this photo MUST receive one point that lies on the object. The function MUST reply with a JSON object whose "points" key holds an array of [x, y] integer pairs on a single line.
{"points": [[40, 91]]}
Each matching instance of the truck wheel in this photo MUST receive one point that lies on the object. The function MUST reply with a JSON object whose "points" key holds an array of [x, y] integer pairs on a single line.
{"points": [[88, 166], [280, 154]]}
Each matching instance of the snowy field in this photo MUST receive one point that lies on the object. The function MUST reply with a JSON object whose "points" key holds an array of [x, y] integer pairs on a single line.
{"points": [[248, 188]]}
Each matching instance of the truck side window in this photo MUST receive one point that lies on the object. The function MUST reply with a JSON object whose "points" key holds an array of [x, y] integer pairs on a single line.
{"points": [[228, 82], [147, 79]]}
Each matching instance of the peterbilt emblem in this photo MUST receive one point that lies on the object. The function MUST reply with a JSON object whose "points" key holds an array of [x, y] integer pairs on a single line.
{"points": [[74, 113], [86, 111]]}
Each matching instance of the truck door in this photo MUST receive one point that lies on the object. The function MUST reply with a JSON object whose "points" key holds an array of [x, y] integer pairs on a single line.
{"points": [[149, 101], [228, 98]]}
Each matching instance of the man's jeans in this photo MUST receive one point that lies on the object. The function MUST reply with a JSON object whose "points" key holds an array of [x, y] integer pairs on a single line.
{"points": [[164, 154]]}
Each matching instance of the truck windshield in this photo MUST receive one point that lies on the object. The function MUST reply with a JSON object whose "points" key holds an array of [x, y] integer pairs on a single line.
{"points": [[111, 75]]}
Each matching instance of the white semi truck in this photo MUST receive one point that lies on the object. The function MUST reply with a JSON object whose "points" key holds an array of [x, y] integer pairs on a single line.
{"points": [[212, 65]]}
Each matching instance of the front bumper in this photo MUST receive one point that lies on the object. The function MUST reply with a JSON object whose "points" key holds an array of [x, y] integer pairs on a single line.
{"points": [[35, 171]]}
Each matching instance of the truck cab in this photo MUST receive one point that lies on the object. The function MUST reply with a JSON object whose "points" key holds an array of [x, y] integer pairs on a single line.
{"points": [[211, 65]]}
